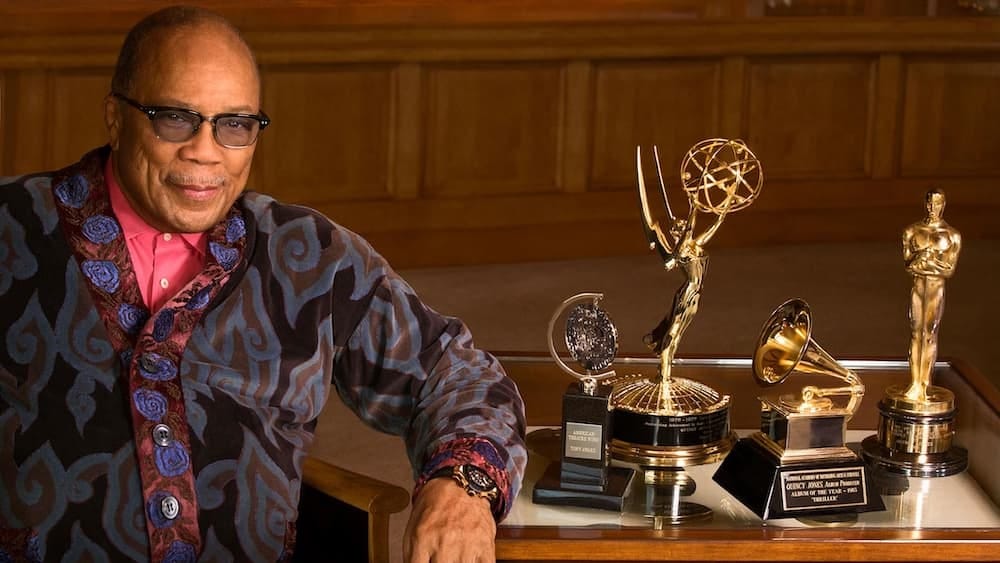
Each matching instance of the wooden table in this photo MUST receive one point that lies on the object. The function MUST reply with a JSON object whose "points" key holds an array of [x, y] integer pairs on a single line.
{"points": [[947, 519]]}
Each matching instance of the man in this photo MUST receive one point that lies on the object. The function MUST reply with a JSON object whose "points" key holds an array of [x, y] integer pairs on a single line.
{"points": [[169, 340], [930, 252]]}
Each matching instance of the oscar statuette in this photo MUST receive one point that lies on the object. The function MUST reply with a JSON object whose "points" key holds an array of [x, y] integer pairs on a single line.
{"points": [[917, 421], [662, 421], [797, 465], [583, 476]]}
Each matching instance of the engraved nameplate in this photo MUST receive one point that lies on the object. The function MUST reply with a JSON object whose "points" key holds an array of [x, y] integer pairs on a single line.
{"points": [[584, 441], [807, 489]]}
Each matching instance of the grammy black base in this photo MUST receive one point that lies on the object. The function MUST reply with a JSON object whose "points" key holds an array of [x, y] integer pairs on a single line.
{"points": [[820, 487]]}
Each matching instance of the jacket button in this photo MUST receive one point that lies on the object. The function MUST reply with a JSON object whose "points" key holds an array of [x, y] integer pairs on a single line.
{"points": [[148, 363], [169, 507], [162, 436]]}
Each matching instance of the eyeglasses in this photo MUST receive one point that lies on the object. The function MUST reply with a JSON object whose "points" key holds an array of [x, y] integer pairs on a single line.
{"points": [[177, 125]]}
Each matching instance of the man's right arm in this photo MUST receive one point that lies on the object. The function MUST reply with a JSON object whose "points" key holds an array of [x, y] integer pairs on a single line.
{"points": [[407, 370]]}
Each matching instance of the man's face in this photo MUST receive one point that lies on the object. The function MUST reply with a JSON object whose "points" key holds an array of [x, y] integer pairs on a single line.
{"points": [[187, 186]]}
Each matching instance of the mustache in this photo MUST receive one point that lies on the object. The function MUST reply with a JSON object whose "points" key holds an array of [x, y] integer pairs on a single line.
{"points": [[193, 180]]}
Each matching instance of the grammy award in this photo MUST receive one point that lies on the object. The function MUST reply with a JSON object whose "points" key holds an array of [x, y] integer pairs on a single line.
{"points": [[662, 421], [917, 421], [798, 465], [583, 476]]}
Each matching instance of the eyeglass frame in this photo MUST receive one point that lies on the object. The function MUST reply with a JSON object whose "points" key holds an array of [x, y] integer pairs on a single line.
{"points": [[150, 111]]}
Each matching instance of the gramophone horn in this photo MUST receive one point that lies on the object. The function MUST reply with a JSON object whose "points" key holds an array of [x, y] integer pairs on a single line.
{"points": [[783, 342], [786, 345]]}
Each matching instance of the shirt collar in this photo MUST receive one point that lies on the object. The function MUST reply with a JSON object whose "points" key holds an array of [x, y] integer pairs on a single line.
{"points": [[133, 225]]}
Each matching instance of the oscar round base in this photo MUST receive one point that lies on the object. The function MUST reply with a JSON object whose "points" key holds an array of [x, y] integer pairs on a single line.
{"points": [[953, 461], [915, 433], [935, 400]]}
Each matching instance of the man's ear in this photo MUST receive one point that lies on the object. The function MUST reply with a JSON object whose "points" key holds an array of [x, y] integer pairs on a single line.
{"points": [[112, 120]]}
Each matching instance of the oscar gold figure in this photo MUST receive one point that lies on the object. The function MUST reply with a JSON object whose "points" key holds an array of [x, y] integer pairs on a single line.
{"points": [[916, 423], [930, 252]]}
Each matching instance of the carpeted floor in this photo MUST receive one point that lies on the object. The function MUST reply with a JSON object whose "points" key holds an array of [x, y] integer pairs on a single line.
{"points": [[858, 293]]}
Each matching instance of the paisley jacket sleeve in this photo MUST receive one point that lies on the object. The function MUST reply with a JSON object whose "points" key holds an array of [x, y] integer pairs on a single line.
{"points": [[407, 370]]}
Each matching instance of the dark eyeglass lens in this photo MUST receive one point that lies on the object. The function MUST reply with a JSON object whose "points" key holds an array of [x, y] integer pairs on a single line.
{"points": [[236, 131], [174, 126]]}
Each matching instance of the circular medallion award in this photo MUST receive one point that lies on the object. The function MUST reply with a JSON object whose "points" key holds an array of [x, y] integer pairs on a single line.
{"points": [[583, 477], [591, 338]]}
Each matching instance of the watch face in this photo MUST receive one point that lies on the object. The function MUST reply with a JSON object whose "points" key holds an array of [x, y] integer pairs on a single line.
{"points": [[479, 479]]}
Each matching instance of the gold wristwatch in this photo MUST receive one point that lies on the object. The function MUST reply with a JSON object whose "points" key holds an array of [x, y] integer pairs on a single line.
{"points": [[474, 480]]}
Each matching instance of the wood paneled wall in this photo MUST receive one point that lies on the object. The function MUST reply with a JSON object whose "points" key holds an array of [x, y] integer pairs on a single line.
{"points": [[472, 136]]}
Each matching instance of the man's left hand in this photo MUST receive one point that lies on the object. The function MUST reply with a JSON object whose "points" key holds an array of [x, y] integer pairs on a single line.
{"points": [[449, 526]]}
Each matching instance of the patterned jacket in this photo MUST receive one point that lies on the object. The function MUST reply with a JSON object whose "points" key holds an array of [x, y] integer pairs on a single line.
{"points": [[179, 434]]}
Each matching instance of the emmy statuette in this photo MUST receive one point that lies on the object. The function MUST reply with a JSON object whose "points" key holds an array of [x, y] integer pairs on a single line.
{"points": [[917, 421], [798, 465], [662, 421], [583, 476]]}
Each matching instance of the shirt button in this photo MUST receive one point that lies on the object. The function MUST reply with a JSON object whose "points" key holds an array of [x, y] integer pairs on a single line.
{"points": [[164, 283], [167, 236], [169, 507], [148, 363], [162, 435]]}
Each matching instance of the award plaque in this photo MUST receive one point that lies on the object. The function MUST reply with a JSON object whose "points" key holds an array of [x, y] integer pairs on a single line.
{"points": [[661, 420], [797, 465], [917, 422], [583, 476]]}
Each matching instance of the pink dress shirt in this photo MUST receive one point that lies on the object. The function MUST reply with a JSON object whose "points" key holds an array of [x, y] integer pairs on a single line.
{"points": [[164, 262]]}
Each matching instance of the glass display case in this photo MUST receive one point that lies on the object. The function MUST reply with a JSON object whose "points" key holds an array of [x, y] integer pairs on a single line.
{"points": [[954, 518]]}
